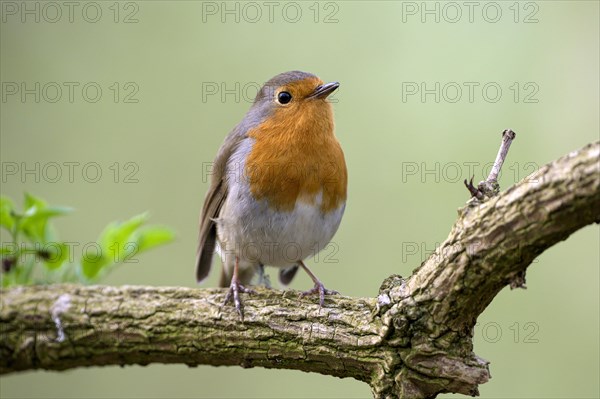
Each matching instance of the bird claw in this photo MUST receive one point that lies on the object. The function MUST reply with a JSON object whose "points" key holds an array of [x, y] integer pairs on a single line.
{"points": [[321, 290], [234, 293]]}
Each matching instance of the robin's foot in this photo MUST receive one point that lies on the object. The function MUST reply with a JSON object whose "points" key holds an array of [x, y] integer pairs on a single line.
{"points": [[321, 290], [234, 293], [318, 288]]}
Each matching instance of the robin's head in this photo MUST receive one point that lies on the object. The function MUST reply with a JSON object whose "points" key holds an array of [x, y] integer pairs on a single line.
{"points": [[293, 96], [294, 89]]}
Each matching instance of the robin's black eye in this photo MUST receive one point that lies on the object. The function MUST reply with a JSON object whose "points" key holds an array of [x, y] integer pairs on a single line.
{"points": [[284, 97]]}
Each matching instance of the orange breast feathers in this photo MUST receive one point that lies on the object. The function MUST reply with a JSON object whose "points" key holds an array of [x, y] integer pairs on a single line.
{"points": [[296, 156]]}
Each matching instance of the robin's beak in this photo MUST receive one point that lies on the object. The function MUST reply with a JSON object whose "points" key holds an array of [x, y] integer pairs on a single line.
{"points": [[323, 91]]}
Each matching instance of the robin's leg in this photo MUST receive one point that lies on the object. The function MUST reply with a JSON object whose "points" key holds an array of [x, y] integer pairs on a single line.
{"points": [[318, 288], [235, 288]]}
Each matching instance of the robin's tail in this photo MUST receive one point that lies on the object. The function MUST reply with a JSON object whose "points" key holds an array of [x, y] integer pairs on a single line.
{"points": [[287, 275], [206, 249]]}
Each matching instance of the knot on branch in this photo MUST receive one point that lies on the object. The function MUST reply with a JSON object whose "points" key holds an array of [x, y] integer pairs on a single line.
{"points": [[429, 374], [432, 359]]}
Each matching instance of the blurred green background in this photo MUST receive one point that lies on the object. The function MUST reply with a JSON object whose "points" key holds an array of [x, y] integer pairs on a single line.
{"points": [[175, 77]]}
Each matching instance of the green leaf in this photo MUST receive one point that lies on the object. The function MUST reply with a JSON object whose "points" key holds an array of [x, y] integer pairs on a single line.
{"points": [[114, 245], [7, 249], [153, 236], [7, 279], [92, 264], [120, 241], [33, 201], [35, 223], [7, 220], [55, 254], [117, 234], [10, 249]]}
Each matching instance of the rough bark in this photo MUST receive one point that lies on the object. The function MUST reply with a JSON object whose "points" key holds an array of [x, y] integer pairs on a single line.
{"points": [[413, 340]]}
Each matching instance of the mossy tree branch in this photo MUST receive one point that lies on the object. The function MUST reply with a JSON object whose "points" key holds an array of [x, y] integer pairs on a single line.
{"points": [[413, 340]]}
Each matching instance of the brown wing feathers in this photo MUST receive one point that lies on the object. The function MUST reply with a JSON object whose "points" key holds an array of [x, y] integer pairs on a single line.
{"points": [[208, 229]]}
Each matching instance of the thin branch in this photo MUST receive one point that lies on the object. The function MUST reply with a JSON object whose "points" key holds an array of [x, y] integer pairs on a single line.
{"points": [[413, 340], [490, 187], [507, 137]]}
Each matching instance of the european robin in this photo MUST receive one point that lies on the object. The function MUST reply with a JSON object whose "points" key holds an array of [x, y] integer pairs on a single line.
{"points": [[278, 187]]}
